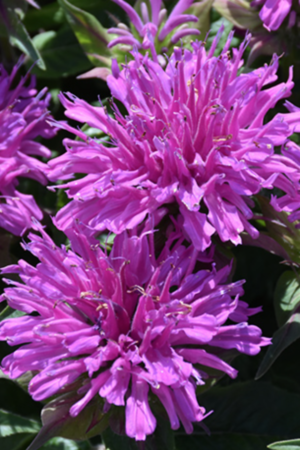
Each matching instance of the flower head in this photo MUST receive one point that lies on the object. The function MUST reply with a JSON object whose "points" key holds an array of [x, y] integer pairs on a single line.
{"points": [[23, 117], [194, 136], [125, 324], [151, 30]]}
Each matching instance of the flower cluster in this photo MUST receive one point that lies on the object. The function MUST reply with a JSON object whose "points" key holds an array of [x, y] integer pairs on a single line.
{"points": [[127, 323], [186, 144], [23, 117], [195, 135]]}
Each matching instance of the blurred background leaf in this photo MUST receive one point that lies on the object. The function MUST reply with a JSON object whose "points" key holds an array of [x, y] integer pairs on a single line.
{"points": [[91, 35], [61, 53], [12, 27]]}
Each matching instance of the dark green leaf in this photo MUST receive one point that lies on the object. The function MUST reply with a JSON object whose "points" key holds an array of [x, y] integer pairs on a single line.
{"points": [[13, 424], [261, 270], [162, 439], [239, 13], [287, 296], [202, 11], [282, 338], [17, 401], [221, 441], [6, 241], [215, 28], [16, 441], [284, 373], [293, 444], [62, 54], [114, 441], [48, 17], [102, 10], [58, 422], [90, 34], [59, 443], [18, 34], [10, 313], [287, 305], [246, 416]]}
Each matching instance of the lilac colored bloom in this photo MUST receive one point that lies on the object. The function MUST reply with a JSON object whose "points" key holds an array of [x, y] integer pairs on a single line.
{"points": [[274, 12], [127, 323], [23, 117], [292, 151], [151, 29], [195, 136], [260, 23]]}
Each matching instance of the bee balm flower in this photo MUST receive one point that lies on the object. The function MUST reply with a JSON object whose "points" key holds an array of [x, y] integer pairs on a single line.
{"points": [[152, 30], [194, 136], [23, 117], [124, 324]]}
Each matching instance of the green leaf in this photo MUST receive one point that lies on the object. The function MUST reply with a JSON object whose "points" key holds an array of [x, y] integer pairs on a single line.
{"points": [[286, 296], [58, 422], [18, 35], [162, 439], [21, 441], [12, 424], [202, 11], [6, 241], [90, 34], [114, 441], [282, 339], [48, 17], [247, 416], [16, 441], [293, 444], [215, 27], [261, 270], [239, 13], [287, 308], [62, 199], [266, 242], [100, 9], [284, 373], [62, 54], [59, 443], [223, 441], [10, 313], [16, 400]]}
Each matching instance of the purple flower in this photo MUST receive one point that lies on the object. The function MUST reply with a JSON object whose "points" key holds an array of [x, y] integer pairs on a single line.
{"points": [[195, 137], [247, 17], [125, 324], [151, 30], [274, 12], [292, 151], [23, 117]]}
